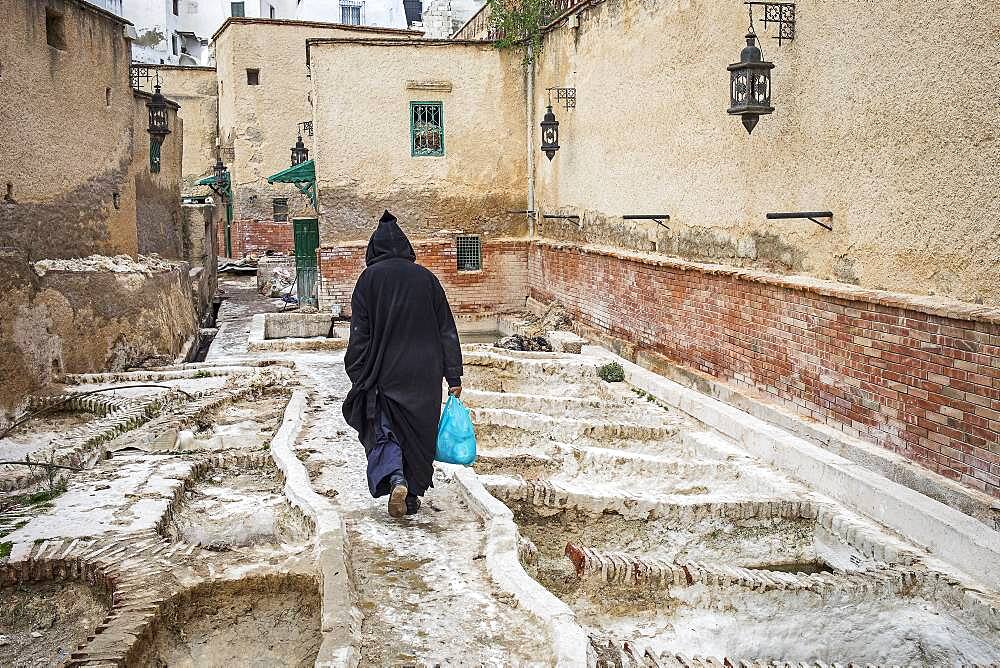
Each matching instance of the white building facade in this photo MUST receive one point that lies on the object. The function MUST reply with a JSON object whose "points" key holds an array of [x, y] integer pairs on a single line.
{"points": [[177, 32]]}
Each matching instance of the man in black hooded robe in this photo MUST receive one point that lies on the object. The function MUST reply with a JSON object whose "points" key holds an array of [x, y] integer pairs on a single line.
{"points": [[403, 342]]}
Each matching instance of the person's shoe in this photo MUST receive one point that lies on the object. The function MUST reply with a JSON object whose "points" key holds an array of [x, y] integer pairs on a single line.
{"points": [[412, 504], [397, 497]]}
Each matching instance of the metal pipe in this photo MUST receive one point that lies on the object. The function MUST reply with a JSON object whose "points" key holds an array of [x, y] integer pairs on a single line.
{"points": [[808, 215], [800, 214], [529, 75], [658, 218], [560, 216]]}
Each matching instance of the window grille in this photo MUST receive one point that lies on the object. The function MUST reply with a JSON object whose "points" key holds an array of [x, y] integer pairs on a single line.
{"points": [[280, 209], [253, 77], [468, 252], [426, 128], [350, 12], [237, 9]]}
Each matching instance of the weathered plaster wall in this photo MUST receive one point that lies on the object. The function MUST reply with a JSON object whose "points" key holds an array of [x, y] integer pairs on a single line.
{"points": [[363, 155], [196, 90], [879, 117], [199, 222], [66, 118], [85, 321], [258, 124], [158, 195]]}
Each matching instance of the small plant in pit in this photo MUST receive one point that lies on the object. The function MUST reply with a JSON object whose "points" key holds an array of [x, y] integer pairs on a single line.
{"points": [[612, 372], [642, 394], [202, 374], [5, 548]]}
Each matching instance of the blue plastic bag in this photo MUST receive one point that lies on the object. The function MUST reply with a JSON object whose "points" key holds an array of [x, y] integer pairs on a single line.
{"points": [[456, 441]]}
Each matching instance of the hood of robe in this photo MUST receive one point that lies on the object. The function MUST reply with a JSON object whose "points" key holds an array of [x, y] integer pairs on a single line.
{"points": [[388, 241]]}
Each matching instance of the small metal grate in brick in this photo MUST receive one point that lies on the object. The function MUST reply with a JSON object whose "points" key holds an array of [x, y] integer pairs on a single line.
{"points": [[468, 252]]}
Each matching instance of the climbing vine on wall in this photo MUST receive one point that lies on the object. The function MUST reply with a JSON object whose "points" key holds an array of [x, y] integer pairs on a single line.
{"points": [[519, 23]]}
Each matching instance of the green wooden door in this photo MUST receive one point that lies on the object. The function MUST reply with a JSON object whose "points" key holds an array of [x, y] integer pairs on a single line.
{"points": [[306, 233]]}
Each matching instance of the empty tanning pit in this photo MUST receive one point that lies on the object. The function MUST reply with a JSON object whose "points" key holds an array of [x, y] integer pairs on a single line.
{"points": [[624, 408], [50, 431], [614, 473], [247, 424], [235, 506], [277, 332], [556, 377], [261, 621], [847, 620], [647, 536], [525, 465], [503, 431], [678, 537], [42, 623]]}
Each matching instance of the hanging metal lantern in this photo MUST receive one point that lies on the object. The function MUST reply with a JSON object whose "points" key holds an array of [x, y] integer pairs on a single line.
{"points": [[550, 134], [300, 153], [221, 174], [750, 85], [158, 126]]}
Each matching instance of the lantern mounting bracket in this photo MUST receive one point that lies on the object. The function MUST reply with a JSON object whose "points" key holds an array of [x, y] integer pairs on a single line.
{"points": [[565, 95], [657, 218], [809, 215], [780, 13], [306, 127]]}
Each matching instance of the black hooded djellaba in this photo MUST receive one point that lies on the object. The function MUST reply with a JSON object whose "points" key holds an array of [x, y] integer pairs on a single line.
{"points": [[403, 342]]}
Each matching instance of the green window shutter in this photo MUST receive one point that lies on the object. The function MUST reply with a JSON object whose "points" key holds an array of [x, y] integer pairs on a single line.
{"points": [[426, 128]]}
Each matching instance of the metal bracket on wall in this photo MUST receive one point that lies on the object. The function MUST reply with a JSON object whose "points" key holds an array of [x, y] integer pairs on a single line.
{"points": [[565, 95], [306, 127], [657, 218], [809, 215], [781, 13]]}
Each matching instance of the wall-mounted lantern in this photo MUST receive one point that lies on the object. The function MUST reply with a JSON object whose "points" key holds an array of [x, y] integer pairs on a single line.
{"points": [[750, 83], [221, 175], [550, 126], [550, 134], [158, 128], [299, 152]]}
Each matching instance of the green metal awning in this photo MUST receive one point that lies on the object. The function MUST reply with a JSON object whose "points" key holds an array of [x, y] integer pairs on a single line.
{"points": [[304, 171], [210, 180], [302, 176]]}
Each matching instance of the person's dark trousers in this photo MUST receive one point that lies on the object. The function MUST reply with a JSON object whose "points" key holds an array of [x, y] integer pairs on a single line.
{"points": [[385, 461]]}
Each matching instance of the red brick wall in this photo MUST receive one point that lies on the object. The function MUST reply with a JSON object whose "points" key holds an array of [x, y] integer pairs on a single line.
{"points": [[502, 283], [256, 236], [916, 375]]}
